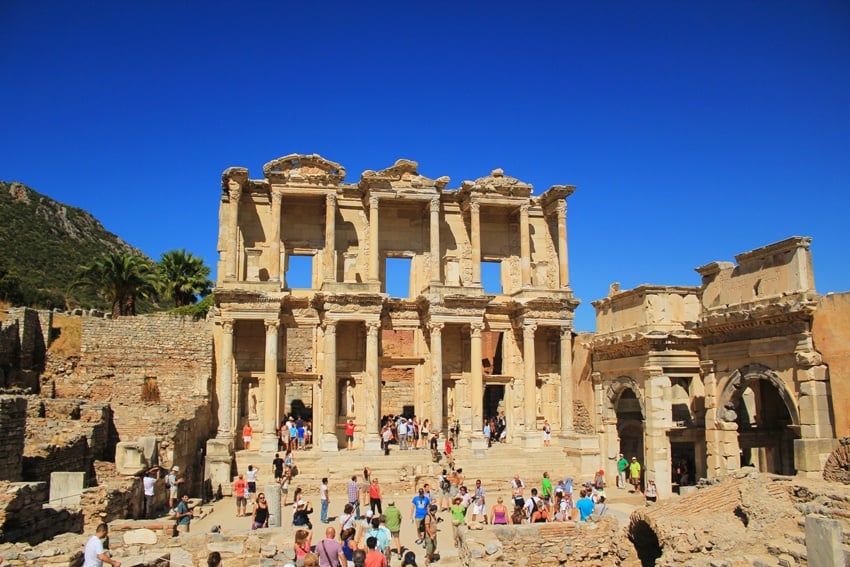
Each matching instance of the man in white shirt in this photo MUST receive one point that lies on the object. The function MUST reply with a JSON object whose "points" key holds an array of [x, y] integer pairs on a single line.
{"points": [[149, 482], [94, 554]]}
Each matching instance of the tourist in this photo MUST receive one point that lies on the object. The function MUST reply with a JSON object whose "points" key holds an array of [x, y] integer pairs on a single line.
{"points": [[547, 433], [364, 487], [260, 518], [415, 432], [374, 558], [349, 433], [311, 560], [546, 491], [324, 499], [308, 433], [382, 535], [148, 484], [375, 497], [518, 515], [478, 505], [299, 433], [277, 463], [302, 544], [393, 516], [418, 511], [239, 488], [348, 543], [599, 480], [293, 436], [634, 474], [330, 551], [409, 560], [622, 465], [284, 488], [247, 434], [251, 478], [347, 519], [584, 505], [95, 554], [518, 489], [458, 511], [359, 558], [487, 433], [465, 497], [430, 534], [425, 432], [651, 492], [301, 510], [183, 515], [445, 490], [531, 504], [173, 481], [214, 559], [402, 434], [288, 463], [354, 496], [499, 513], [386, 438]]}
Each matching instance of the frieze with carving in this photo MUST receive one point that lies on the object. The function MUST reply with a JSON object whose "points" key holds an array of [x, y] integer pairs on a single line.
{"points": [[311, 169], [498, 182]]}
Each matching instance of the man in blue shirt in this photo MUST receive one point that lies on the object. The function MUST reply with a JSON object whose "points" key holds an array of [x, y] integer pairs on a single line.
{"points": [[584, 505], [418, 512]]}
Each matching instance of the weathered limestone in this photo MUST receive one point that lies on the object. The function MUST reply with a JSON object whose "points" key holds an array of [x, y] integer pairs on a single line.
{"points": [[66, 489]]}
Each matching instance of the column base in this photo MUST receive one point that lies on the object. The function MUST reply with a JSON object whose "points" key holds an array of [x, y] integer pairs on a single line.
{"points": [[583, 453], [532, 439], [372, 443], [219, 460], [330, 443], [268, 444], [479, 445]]}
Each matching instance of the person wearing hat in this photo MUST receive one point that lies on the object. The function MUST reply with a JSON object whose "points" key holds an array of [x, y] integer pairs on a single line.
{"points": [[458, 516], [634, 474], [430, 534], [622, 465], [393, 516], [172, 481]]}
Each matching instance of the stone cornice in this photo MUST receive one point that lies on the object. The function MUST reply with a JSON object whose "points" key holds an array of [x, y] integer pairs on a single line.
{"points": [[311, 169], [769, 311], [610, 347], [401, 178], [629, 295], [498, 182]]}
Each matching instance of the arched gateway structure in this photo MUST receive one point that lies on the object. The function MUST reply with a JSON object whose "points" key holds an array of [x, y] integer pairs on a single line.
{"points": [[306, 326]]}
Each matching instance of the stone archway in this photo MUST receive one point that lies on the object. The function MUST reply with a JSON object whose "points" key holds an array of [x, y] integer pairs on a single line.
{"points": [[765, 416], [627, 404]]}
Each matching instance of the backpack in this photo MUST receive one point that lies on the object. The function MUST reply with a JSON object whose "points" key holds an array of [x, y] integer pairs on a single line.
{"points": [[445, 485]]}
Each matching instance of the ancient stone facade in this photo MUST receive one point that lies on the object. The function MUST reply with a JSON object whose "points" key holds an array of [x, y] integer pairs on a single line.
{"points": [[712, 378], [24, 336], [338, 345]]}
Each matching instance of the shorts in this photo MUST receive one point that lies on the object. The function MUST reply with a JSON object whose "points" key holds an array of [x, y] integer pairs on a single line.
{"points": [[349, 437], [430, 545], [172, 492], [240, 501], [394, 534], [246, 438], [477, 509], [252, 486]]}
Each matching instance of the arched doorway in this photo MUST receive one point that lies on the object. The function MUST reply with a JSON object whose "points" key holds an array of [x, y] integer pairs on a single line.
{"points": [[630, 425], [755, 399]]}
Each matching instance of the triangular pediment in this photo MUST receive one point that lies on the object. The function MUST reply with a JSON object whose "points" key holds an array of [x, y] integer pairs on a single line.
{"points": [[311, 169]]}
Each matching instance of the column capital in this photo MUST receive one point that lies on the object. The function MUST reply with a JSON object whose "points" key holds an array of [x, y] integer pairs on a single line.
{"points": [[528, 330], [524, 208], [373, 201], [330, 199], [227, 326], [235, 191], [436, 327], [329, 327], [561, 210], [652, 371], [475, 206], [707, 367], [566, 332], [475, 329], [277, 196], [435, 205], [596, 377], [372, 327], [272, 326]]}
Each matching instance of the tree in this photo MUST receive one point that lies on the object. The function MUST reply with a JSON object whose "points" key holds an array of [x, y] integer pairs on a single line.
{"points": [[121, 279], [183, 277]]}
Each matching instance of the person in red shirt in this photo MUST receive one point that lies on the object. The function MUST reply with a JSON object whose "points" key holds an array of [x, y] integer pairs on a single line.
{"points": [[247, 433], [374, 558], [239, 486], [349, 433], [448, 447]]}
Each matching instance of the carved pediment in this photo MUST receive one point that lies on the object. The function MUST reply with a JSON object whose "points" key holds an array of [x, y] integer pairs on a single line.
{"points": [[311, 169], [404, 176], [498, 182]]}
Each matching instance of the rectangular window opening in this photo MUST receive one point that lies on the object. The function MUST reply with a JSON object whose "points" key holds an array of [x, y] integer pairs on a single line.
{"points": [[398, 277], [491, 277], [299, 272]]}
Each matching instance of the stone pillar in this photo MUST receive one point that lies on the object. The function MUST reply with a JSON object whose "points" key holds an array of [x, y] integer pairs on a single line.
{"points": [[824, 542], [225, 383], [566, 371], [563, 256], [374, 241], [330, 238], [269, 444], [435, 240], [272, 491], [373, 387], [524, 246], [436, 376], [330, 441], [713, 435], [475, 238], [659, 420], [529, 395], [233, 229], [476, 387], [274, 236], [816, 425]]}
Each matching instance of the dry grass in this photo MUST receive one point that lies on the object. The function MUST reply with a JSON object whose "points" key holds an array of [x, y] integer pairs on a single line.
{"points": [[68, 329]]}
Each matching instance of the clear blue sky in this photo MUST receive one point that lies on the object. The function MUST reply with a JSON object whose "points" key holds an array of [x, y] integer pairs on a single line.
{"points": [[693, 130]]}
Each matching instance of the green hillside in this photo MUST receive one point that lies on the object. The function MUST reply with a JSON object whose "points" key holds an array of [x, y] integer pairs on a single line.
{"points": [[42, 242]]}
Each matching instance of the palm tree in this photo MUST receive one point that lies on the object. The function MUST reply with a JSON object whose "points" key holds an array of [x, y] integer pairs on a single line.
{"points": [[120, 278], [183, 277]]}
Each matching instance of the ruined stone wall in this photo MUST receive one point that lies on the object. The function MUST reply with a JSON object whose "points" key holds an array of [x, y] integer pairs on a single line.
{"points": [[582, 368], [13, 422], [10, 346], [558, 543], [33, 329], [48, 418], [70, 453], [299, 350], [23, 516], [831, 333]]}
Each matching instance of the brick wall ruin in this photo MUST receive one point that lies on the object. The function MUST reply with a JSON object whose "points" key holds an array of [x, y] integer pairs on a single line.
{"points": [[13, 416], [23, 346]]}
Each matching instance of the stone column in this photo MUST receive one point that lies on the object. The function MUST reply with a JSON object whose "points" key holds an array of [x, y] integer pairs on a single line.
{"points": [[274, 236], [330, 238], [269, 444], [715, 466], [272, 491], [525, 246], [566, 371], [435, 240], [233, 231], [373, 387], [225, 383], [476, 386], [374, 241], [330, 441], [436, 376], [475, 238], [529, 394], [659, 420], [563, 254]]}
